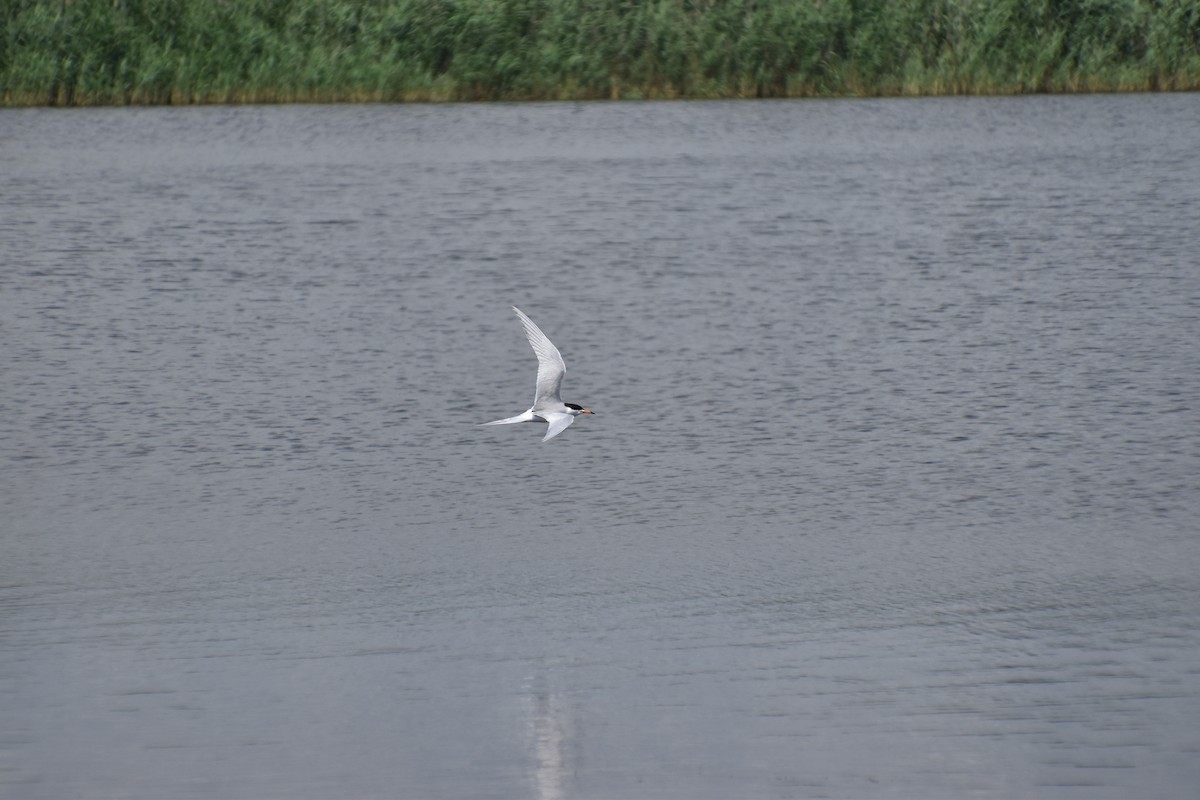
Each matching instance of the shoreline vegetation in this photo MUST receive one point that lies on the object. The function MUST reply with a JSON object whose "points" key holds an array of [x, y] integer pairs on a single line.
{"points": [[158, 52]]}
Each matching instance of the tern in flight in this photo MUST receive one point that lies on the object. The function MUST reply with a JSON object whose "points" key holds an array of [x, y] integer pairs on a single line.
{"points": [[547, 401]]}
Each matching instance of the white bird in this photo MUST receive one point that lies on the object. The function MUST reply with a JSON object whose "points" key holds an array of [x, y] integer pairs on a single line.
{"points": [[547, 401]]}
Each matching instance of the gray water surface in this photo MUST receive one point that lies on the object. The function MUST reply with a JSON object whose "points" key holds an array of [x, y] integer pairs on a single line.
{"points": [[893, 487]]}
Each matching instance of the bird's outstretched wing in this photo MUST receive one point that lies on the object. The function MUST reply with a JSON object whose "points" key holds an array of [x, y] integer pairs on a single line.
{"points": [[550, 368], [558, 424]]}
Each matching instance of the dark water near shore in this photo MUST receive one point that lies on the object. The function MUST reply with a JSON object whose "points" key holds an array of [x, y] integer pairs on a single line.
{"points": [[892, 489]]}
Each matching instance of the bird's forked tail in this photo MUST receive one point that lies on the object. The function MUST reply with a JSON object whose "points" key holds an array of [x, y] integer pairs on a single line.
{"points": [[526, 417]]}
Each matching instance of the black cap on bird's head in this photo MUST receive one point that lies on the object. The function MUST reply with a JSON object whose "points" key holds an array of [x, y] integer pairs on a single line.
{"points": [[580, 409]]}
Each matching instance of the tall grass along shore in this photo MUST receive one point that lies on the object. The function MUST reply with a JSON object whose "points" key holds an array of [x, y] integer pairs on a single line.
{"points": [[100, 52]]}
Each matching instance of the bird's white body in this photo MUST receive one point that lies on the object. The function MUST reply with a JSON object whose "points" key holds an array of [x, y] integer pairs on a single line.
{"points": [[547, 405]]}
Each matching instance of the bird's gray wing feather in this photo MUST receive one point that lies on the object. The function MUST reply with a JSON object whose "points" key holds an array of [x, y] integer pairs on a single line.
{"points": [[558, 424], [550, 366]]}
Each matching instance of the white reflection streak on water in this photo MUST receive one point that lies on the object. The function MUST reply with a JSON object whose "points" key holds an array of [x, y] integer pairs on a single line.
{"points": [[549, 736]]}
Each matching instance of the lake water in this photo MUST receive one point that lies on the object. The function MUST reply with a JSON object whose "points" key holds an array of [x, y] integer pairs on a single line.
{"points": [[892, 490]]}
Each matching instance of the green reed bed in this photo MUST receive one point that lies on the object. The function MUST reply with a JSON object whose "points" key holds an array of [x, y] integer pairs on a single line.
{"points": [[95, 52]]}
